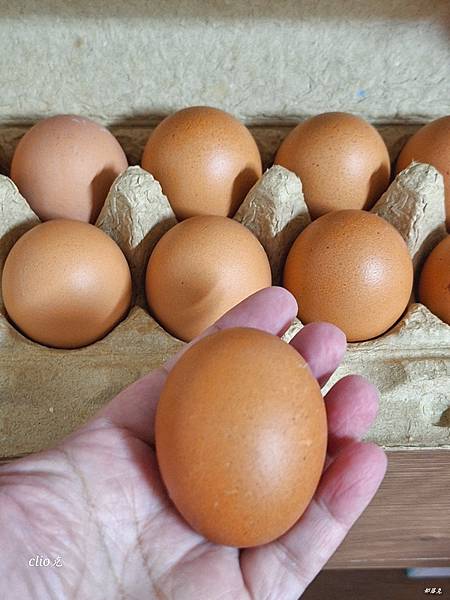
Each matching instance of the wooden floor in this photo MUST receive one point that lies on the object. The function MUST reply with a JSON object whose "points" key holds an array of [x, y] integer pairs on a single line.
{"points": [[373, 584], [408, 522]]}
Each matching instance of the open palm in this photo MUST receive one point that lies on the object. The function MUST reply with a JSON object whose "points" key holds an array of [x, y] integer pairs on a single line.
{"points": [[95, 506]]}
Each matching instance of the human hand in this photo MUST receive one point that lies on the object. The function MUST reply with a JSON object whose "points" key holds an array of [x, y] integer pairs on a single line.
{"points": [[96, 500]]}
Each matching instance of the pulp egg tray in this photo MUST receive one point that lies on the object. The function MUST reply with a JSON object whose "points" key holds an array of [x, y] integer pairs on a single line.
{"points": [[45, 393]]}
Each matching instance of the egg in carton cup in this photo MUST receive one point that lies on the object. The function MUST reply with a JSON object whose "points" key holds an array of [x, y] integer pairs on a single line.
{"points": [[46, 392]]}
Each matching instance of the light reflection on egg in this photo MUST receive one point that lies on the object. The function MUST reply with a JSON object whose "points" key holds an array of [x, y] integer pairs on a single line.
{"points": [[341, 159], [205, 160], [64, 167]]}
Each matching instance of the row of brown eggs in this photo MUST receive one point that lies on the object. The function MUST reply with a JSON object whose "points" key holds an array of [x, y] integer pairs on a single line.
{"points": [[206, 161], [66, 284]]}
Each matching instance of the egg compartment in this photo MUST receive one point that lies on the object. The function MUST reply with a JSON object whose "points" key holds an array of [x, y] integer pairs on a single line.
{"points": [[40, 387], [410, 363]]}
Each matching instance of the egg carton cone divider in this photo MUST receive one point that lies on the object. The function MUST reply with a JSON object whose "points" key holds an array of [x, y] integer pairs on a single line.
{"points": [[45, 393]]}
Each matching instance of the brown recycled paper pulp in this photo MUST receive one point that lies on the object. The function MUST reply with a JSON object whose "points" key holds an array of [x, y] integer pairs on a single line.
{"points": [[45, 393]]}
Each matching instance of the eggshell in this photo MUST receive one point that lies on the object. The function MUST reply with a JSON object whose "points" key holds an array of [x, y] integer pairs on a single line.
{"points": [[241, 436], [351, 268], [434, 285], [201, 268], [205, 160], [431, 145], [64, 167], [341, 160], [66, 284]]}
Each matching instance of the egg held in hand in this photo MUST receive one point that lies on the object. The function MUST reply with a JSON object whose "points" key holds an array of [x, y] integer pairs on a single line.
{"points": [[241, 436], [341, 160], [350, 268], [64, 167], [205, 160], [199, 270], [66, 284]]}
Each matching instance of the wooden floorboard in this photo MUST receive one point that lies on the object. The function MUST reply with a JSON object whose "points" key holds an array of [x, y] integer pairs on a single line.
{"points": [[374, 585], [408, 522]]}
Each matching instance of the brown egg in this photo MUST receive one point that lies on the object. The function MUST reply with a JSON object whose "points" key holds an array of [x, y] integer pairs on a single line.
{"points": [[431, 145], [200, 269], [64, 167], [434, 285], [341, 160], [241, 436], [66, 284], [351, 268], [205, 160]]}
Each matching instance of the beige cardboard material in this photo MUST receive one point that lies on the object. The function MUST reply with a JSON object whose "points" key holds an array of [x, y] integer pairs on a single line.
{"points": [[270, 64], [136, 214], [410, 365], [275, 211], [45, 393], [262, 60]]}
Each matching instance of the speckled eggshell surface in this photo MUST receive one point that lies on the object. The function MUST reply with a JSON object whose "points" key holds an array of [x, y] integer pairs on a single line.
{"points": [[64, 167], [431, 145], [350, 268], [241, 436], [434, 286], [66, 284], [200, 269], [341, 160], [205, 160]]}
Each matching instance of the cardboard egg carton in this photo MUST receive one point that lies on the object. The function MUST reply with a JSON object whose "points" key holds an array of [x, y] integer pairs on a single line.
{"points": [[45, 392]]}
